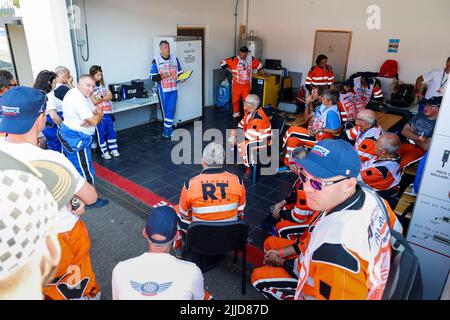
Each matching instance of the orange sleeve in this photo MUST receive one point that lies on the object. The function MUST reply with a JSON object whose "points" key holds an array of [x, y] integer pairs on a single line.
{"points": [[242, 201], [374, 178], [377, 92], [367, 146], [343, 111], [184, 208], [256, 64]]}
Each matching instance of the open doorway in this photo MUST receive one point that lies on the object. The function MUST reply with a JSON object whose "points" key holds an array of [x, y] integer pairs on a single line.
{"points": [[336, 46], [14, 56], [196, 32]]}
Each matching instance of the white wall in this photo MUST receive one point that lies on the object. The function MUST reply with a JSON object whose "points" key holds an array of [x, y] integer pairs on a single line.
{"points": [[287, 28], [120, 34], [48, 34]]}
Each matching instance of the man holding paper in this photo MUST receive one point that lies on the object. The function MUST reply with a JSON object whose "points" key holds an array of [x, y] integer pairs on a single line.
{"points": [[165, 71]]}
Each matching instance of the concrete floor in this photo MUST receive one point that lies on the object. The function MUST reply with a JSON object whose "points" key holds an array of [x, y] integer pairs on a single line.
{"points": [[116, 235]]}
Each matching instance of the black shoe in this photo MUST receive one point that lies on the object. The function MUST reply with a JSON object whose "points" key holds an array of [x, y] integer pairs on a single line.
{"points": [[100, 203]]}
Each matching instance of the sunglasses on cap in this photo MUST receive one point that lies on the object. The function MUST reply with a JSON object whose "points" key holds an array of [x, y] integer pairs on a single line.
{"points": [[316, 184]]}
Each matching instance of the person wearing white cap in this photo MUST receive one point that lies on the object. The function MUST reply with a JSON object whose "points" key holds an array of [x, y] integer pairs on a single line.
{"points": [[23, 118], [30, 196]]}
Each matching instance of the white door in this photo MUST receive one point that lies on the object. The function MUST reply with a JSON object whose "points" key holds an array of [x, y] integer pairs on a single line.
{"points": [[336, 46]]}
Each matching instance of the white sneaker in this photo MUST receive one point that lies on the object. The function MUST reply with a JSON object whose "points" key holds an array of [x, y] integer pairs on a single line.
{"points": [[115, 153], [106, 156], [94, 145]]}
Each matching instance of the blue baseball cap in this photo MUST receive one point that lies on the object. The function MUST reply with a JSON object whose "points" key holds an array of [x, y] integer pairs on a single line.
{"points": [[20, 107], [331, 158], [162, 221], [434, 101]]}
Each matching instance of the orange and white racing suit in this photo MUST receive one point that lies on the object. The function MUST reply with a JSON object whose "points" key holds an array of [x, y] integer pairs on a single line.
{"points": [[257, 135], [295, 215], [381, 174], [365, 141], [345, 254]]}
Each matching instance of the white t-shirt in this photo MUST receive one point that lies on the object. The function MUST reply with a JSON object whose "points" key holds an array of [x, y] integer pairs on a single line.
{"points": [[436, 79], [52, 103], [157, 276], [77, 108], [28, 152]]}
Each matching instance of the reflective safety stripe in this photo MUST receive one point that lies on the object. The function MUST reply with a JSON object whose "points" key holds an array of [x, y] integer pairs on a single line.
{"points": [[182, 211], [310, 281], [241, 207], [235, 218], [214, 209]]}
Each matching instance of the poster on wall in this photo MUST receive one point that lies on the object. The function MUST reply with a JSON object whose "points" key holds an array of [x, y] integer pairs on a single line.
{"points": [[393, 45]]}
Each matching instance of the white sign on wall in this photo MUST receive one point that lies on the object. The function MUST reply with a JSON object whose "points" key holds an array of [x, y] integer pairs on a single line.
{"points": [[429, 230]]}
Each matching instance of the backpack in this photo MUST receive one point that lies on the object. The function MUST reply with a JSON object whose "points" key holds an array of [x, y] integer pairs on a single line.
{"points": [[389, 69], [404, 279], [403, 95]]}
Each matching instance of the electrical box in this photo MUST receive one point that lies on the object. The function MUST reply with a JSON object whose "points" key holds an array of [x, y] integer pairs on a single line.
{"points": [[266, 88]]}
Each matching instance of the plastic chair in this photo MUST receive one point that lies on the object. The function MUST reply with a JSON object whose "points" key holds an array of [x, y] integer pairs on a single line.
{"points": [[208, 242]]}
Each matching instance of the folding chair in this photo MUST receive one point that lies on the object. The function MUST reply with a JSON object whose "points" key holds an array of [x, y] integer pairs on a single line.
{"points": [[208, 242]]}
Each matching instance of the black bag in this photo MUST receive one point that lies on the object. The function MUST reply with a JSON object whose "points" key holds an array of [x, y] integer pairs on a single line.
{"points": [[403, 95], [131, 91], [405, 279]]}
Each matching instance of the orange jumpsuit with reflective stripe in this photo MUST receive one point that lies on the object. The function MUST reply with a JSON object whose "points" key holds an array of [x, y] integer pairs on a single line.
{"points": [[214, 195], [365, 141], [258, 135], [242, 77], [74, 277], [319, 77], [295, 216]]}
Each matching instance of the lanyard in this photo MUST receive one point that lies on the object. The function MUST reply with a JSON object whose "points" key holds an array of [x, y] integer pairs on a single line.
{"points": [[442, 80]]}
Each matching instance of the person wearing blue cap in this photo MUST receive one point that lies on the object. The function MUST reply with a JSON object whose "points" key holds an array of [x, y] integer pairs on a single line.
{"points": [[157, 275], [23, 111], [419, 131], [346, 251]]}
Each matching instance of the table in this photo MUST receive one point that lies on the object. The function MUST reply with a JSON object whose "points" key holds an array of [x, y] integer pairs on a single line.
{"points": [[387, 120], [130, 113]]}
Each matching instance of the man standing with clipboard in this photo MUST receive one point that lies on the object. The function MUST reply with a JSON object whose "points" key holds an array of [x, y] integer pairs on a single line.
{"points": [[166, 70]]}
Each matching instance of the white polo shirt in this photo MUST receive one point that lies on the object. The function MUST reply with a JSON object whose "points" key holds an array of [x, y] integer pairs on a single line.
{"points": [[76, 108], [52, 103], [157, 276], [436, 79], [66, 220]]}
